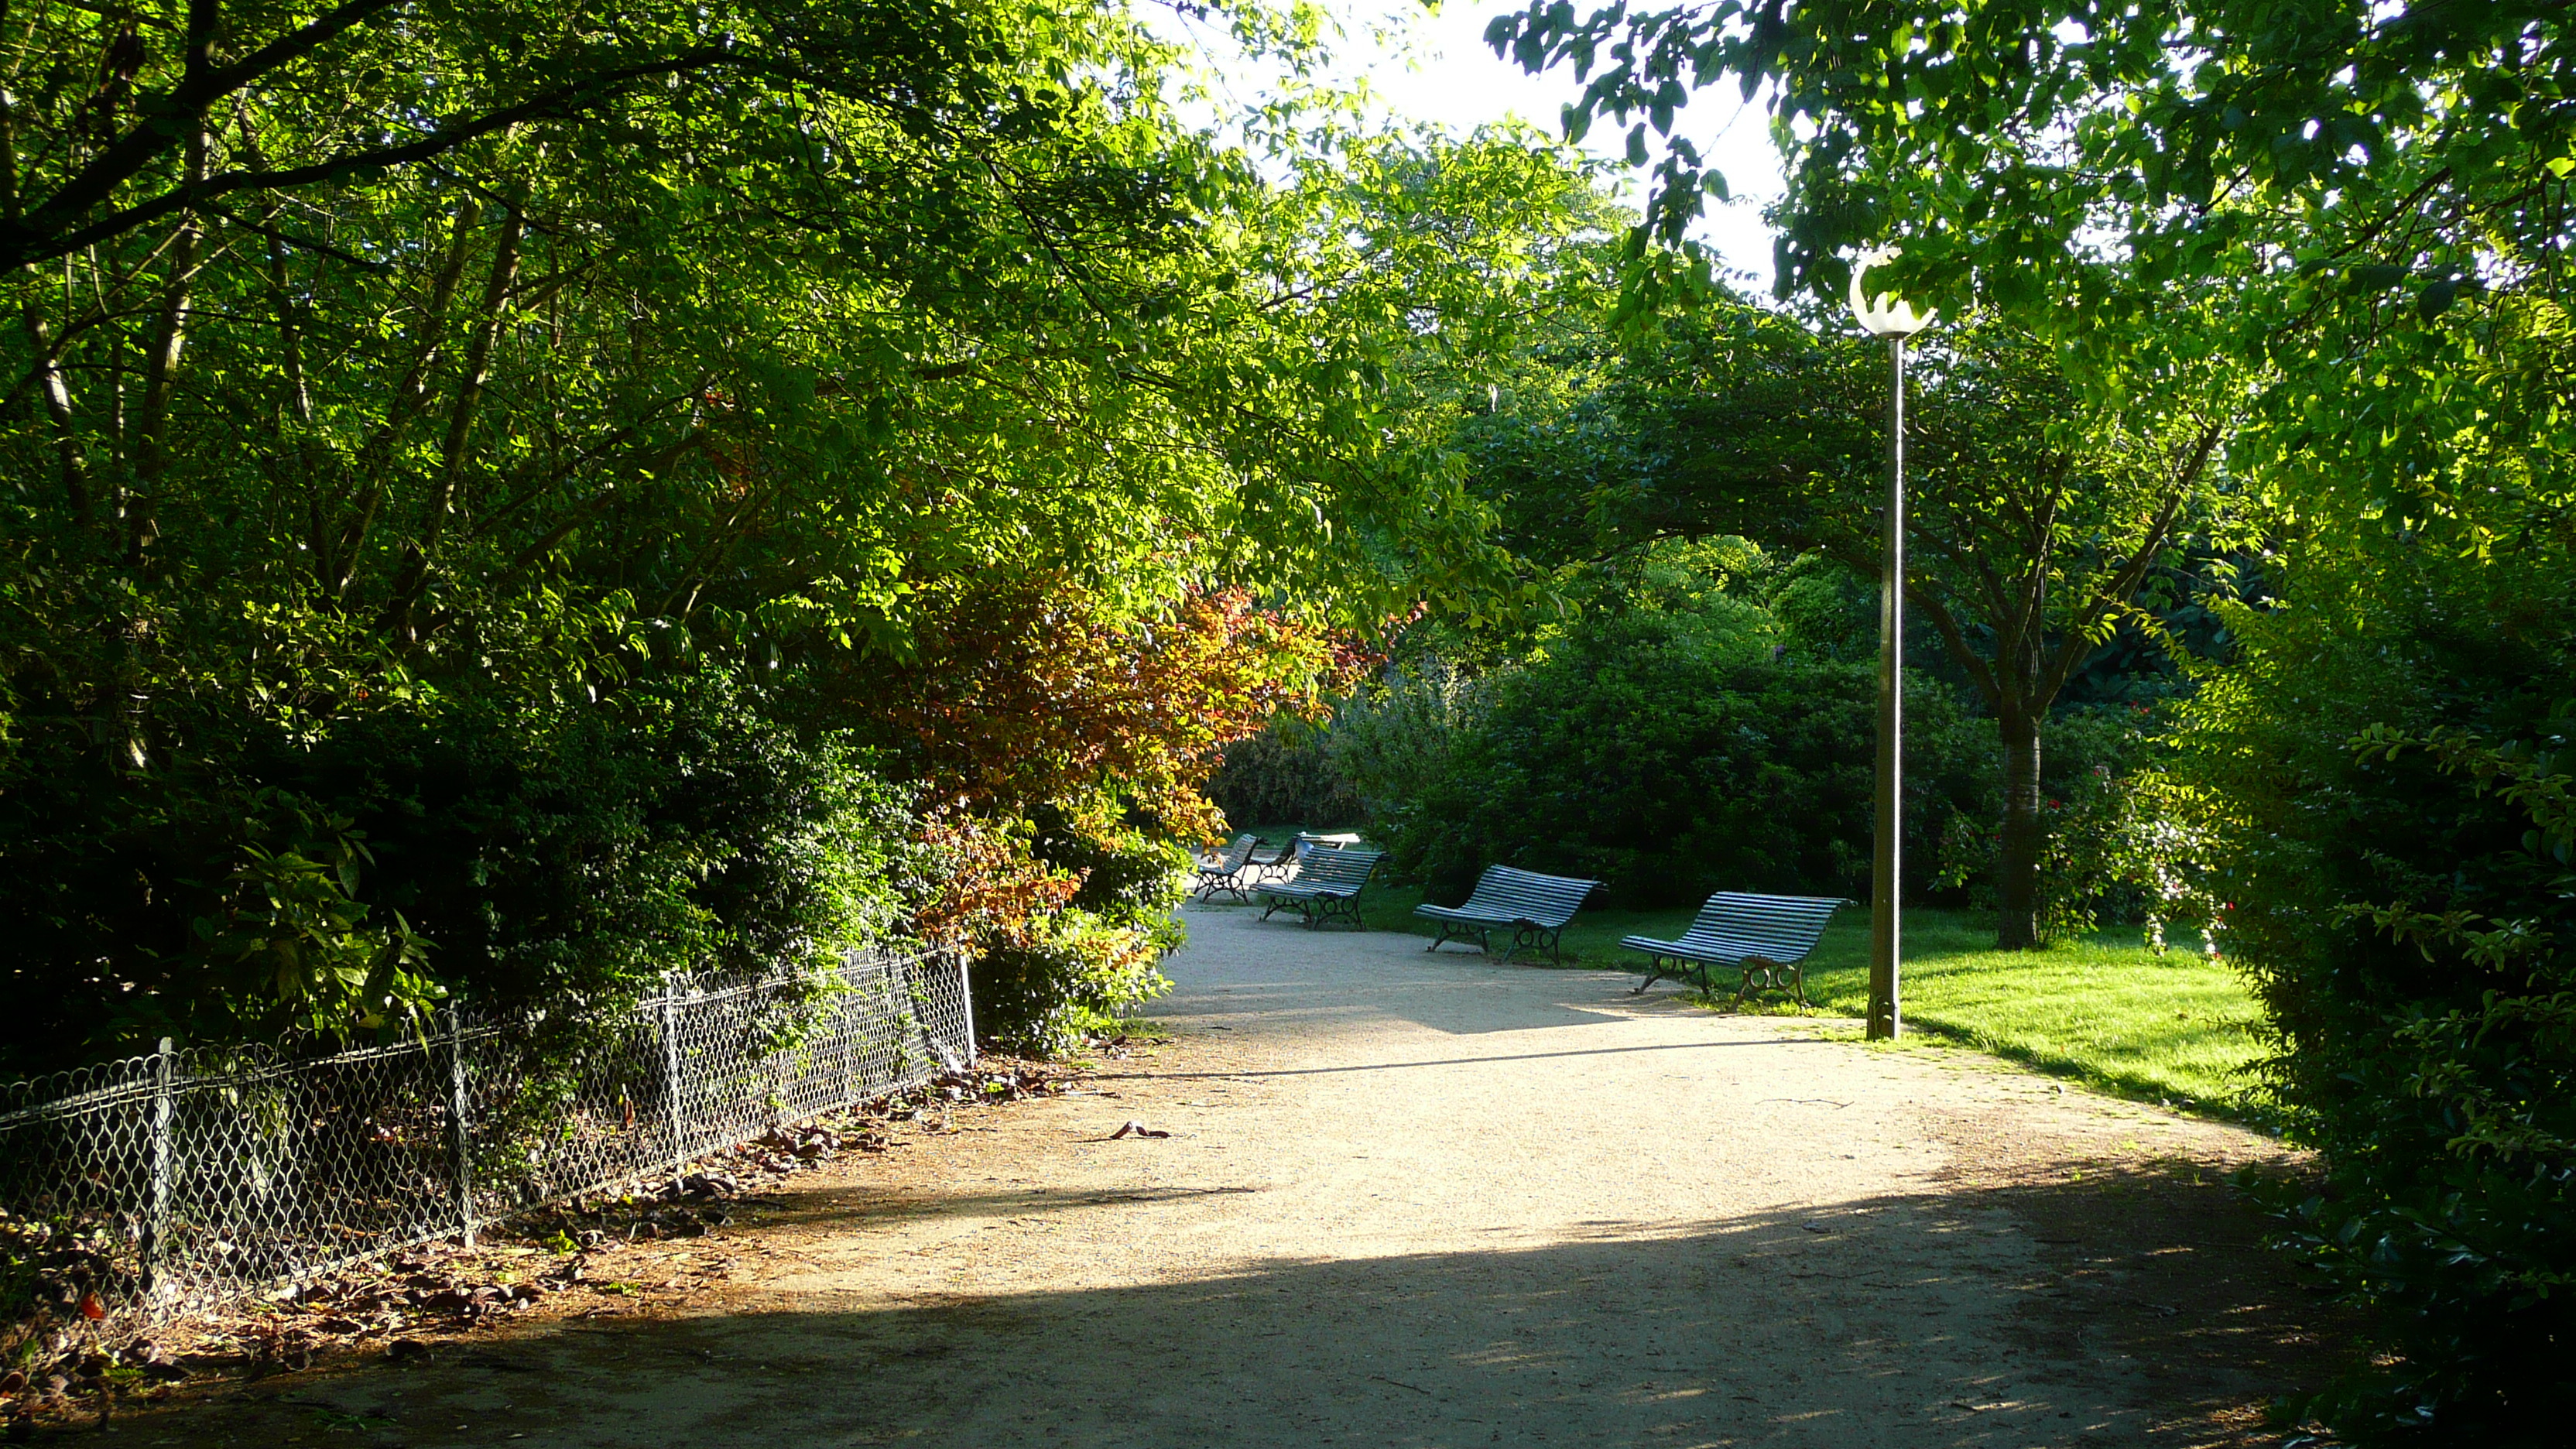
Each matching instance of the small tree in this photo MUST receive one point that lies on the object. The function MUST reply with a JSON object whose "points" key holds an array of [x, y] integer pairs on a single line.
{"points": [[2036, 525]]}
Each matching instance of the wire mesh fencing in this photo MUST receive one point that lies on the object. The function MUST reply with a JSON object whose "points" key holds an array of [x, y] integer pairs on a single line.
{"points": [[162, 1185]]}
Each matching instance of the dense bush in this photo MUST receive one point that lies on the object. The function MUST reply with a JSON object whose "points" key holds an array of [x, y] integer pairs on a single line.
{"points": [[2103, 823], [1284, 775], [1392, 742], [2385, 776], [1022, 786], [1669, 754], [1078, 965], [462, 847]]}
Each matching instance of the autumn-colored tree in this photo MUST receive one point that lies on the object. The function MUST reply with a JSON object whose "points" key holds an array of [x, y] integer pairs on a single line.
{"points": [[1061, 759]]}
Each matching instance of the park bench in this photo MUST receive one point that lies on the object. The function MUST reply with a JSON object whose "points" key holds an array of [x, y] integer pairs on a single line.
{"points": [[1282, 864], [1327, 886], [1228, 870], [1535, 906], [1756, 935]]}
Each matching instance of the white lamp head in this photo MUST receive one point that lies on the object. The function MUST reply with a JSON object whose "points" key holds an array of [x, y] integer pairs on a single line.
{"points": [[1884, 315]]}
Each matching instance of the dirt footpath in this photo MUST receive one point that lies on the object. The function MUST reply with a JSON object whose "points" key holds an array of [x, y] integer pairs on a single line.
{"points": [[1418, 1200]]}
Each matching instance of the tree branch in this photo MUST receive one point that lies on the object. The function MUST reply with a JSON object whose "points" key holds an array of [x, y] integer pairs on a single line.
{"points": [[38, 236], [2132, 574], [33, 241]]}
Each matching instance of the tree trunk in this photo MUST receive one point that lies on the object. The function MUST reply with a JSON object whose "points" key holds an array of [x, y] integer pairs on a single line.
{"points": [[2024, 832]]}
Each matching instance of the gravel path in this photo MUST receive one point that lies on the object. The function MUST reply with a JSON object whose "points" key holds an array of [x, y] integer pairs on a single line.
{"points": [[1418, 1200]]}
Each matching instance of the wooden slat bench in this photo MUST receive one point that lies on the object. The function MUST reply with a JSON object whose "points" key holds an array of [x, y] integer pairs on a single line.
{"points": [[1327, 886], [1535, 906], [1755, 935], [1229, 870]]}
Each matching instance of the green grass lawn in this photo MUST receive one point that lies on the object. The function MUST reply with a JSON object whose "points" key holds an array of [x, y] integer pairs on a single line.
{"points": [[2175, 1028]]}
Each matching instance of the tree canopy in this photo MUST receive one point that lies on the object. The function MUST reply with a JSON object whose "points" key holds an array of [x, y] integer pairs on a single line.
{"points": [[408, 402]]}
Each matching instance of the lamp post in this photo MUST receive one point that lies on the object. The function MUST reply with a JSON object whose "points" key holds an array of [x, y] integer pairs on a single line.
{"points": [[1885, 316]]}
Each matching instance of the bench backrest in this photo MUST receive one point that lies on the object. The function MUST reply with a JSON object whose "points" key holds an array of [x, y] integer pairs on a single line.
{"points": [[1307, 842], [1345, 869], [1776, 928], [1526, 895], [1235, 854]]}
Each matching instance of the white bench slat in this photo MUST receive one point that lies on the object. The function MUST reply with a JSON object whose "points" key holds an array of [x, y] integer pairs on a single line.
{"points": [[1506, 895]]}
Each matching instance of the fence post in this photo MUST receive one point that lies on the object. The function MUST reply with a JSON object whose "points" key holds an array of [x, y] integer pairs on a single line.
{"points": [[156, 1216], [668, 1016], [845, 1030], [966, 1000], [460, 1153]]}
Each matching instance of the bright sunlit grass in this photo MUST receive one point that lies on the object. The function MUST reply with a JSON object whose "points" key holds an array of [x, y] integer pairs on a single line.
{"points": [[2177, 1028]]}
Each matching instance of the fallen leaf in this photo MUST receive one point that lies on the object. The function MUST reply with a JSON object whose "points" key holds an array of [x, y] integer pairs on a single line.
{"points": [[1134, 1128]]}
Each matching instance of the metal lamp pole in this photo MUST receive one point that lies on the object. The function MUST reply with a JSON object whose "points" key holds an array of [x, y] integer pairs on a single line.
{"points": [[1885, 316]]}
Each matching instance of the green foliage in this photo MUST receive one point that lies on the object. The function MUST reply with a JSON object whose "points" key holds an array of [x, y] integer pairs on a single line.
{"points": [[1286, 772], [1826, 610], [1667, 754], [2047, 539], [530, 861], [490, 494], [2338, 227], [1096, 955], [2099, 806], [1392, 741], [2382, 784]]}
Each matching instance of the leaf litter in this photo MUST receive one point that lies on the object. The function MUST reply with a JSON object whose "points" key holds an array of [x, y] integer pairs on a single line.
{"points": [[593, 1255]]}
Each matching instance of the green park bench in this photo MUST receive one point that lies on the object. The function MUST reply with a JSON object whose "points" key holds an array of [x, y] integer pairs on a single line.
{"points": [[1757, 935], [1535, 906], [1326, 887]]}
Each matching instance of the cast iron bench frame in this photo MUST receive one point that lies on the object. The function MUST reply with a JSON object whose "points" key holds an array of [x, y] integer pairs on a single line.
{"points": [[1535, 906], [1327, 886], [1756, 935], [1230, 871]]}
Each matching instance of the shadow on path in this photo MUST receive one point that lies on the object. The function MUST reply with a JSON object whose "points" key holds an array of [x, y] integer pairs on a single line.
{"points": [[1752, 1331]]}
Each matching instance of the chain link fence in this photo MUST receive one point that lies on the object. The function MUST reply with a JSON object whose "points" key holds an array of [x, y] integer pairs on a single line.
{"points": [[158, 1186]]}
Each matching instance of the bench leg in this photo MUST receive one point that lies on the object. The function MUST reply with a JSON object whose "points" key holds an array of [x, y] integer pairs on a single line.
{"points": [[1275, 903], [1773, 974], [1529, 937], [1654, 973], [1446, 927]]}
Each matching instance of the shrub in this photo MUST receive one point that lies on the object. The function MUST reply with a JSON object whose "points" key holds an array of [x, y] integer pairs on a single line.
{"points": [[563, 859], [1061, 754], [1101, 951], [1286, 773], [2105, 832], [1669, 755], [1392, 741], [2385, 781]]}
